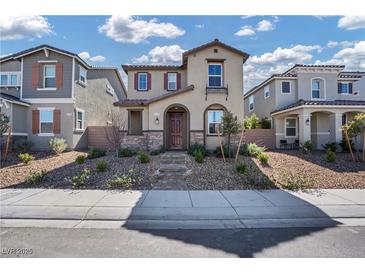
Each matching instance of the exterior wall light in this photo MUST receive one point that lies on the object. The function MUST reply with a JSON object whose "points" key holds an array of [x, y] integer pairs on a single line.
{"points": [[157, 120], [307, 122]]}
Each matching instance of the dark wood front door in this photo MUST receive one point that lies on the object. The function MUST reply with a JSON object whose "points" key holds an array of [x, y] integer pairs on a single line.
{"points": [[176, 130]]}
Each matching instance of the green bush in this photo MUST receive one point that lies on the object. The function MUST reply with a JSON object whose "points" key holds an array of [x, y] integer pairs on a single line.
{"points": [[25, 158], [80, 159], [330, 156], [80, 180], [241, 168], [263, 158], [143, 158], [126, 152], [96, 153], [23, 145], [101, 166], [197, 147], [265, 123], [125, 181], [306, 147], [218, 151], [36, 177], [296, 181], [344, 146], [254, 150], [199, 156], [331, 146], [251, 122], [57, 145], [155, 152]]}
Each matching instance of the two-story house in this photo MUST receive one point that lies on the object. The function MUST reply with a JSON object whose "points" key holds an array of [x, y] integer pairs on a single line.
{"points": [[175, 106], [308, 103], [48, 92]]}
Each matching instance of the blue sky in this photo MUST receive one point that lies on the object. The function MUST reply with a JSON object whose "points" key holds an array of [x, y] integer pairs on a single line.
{"points": [[274, 42]]}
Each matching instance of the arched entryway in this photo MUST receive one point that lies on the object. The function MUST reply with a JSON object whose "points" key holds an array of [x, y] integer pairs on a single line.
{"points": [[176, 127]]}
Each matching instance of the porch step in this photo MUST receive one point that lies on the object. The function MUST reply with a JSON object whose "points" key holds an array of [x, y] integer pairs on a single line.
{"points": [[172, 168], [171, 184]]}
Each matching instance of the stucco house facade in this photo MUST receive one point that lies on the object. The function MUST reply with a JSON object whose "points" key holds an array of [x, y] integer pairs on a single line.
{"points": [[48, 92], [308, 103], [176, 106]]}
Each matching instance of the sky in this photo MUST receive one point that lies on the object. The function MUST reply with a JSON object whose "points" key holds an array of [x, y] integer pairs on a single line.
{"points": [[274, 43]]}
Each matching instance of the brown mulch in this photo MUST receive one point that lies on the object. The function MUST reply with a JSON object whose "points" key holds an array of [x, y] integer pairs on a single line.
{"points": [[61, 168]]}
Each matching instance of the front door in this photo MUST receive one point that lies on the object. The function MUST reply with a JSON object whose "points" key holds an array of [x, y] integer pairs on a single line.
{"points": [[176, 131]]}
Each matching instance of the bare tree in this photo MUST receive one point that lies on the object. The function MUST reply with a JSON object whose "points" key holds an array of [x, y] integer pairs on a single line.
{"points": [[116, 130]]}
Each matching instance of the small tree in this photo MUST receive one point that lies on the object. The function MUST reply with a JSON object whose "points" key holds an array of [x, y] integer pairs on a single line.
{"points": [[115, 132], [354, 128], [229, 126], [251, 122], [4, 124]]}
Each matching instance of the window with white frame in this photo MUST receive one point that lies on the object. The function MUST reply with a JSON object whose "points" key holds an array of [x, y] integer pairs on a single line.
{"points": [[285, 87], [214, 121], [266, 92], [316, 88], [83, 75], [109, 90], [79, 119], [291, 127], [142, 81], [172, 81], [4, 80], [250, 103], [215, 75], [46, 120], [10, 79], [49, 76]]}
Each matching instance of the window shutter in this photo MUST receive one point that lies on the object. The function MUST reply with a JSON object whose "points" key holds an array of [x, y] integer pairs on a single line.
{"points": [[136, 81], [339, 86], [59, 75], [35, 121], [350, 88], [35, 75], [165, 81], [149, 84], [57, 121], [178, 81]]}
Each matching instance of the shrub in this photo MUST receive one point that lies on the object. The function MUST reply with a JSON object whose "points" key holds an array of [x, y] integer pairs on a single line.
{"points": [[96, 153], [296, 181], [241, 168], [101, 166], [254, 150], [306, 147], [57, 145], [80, 159], [126, 152], [265, 123], [155, 152], [331, 146], [344, 146], [199, 156], [36, 177], [263, 158], [195, 148], [80, 180], [143, 158], [25, 158], [330, 156], [218, 151], [251, 122], [23, 145], [125, 181]]}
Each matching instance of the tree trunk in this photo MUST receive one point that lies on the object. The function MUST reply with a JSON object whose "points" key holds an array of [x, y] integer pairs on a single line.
{"points": [[363, 145], [229, 145], [239, 145], [349, 144], [220, 144]]}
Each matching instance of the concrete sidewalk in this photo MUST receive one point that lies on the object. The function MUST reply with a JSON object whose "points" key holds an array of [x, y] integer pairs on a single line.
{"points": [[182, 209]]}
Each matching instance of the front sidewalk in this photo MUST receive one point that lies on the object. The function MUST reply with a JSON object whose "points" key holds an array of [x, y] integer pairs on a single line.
{"points": [[182, 209]]}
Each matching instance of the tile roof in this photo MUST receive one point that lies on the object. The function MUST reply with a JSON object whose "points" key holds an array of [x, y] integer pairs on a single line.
{"points": [[126, 68]]}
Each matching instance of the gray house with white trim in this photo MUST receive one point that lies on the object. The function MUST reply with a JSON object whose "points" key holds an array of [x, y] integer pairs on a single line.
{"points": [[48, 92]]}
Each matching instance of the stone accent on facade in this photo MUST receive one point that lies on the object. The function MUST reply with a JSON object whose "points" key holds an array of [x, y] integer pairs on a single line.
{"points": [[197, 137], [150, 140]]}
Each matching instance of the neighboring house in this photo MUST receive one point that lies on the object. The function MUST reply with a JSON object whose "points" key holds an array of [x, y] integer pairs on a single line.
{"points": [[49, 92], [308, 103], [176, 106]]}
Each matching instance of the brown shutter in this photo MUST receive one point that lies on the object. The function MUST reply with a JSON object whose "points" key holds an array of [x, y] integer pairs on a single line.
{"points": [[35, 121], [57, 121], [35, 75], [165, 81], [149, 84], [59, 75], [350, 88], [178, 80], [136, 81]]}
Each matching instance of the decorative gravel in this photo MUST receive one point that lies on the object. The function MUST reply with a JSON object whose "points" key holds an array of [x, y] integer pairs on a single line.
{"points": [[61, 168]]}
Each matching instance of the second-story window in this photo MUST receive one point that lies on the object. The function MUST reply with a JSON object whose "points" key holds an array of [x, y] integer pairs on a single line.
{"points": [[49, 76], [316, 89], [285, 87], [172, 81], [10, 79], [250, 103], [142, 81], [83, 75], [4, 80], [215, 78], [344, 88], [266, 92]]}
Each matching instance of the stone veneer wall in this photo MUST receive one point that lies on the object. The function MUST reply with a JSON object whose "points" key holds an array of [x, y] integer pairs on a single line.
{"points": [[197, 137]]}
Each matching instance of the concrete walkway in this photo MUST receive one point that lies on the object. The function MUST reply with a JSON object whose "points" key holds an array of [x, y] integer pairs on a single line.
{"points": [[182, 209]]}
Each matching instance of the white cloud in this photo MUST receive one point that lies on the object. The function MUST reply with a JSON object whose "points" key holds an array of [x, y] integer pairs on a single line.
{"points": [[332, 44], [199, 26], [245, 31], [247, 16], [4, 55], [128, 29], [20, 27], [265, 25], [343, 44], [87, 57], [352, 22], [276, 18], [161, 55]]}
